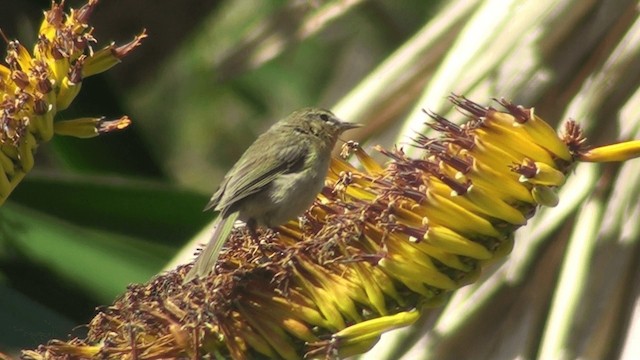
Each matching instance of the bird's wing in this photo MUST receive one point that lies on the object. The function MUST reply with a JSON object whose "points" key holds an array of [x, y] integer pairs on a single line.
{"points": [[253, 175], [215, 198]]}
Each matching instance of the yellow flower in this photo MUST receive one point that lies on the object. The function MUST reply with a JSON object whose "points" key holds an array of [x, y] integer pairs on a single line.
{"points": [[34, 88], [380, 243]]}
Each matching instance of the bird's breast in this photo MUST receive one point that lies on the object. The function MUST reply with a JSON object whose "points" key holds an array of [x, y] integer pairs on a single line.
{"points": [[287, 196]]}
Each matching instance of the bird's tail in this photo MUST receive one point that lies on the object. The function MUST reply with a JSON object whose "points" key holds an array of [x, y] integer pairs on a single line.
{"points": [[208, 257]]}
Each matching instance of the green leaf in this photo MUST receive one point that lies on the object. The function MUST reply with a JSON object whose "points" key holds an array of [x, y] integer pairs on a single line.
{"points": [[100, 262], [26, 323], [153, 210]]}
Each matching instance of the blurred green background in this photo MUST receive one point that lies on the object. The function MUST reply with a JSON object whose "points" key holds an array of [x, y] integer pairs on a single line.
{"points": [[98, 214]]}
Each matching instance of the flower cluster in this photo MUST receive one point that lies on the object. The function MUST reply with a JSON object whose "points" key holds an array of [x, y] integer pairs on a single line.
{"points": [[35, 87], [380, 243]]}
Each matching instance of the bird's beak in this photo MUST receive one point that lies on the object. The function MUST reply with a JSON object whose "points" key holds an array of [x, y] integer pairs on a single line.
{"points": [[344, 126]]}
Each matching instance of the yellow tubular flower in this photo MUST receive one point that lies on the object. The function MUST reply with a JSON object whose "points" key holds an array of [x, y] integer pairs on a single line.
{"points": [[89, 127], [34, 88], [615, 152], [380, 243]]}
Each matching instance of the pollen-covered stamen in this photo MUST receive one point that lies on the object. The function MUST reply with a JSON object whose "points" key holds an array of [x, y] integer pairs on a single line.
{"points": [[348, 148], [471, 109], [40, 106], [456, 187], [83, 14], [397, 154], [20, 78], [90, 127], [55, 16], [442, 149], [415, 234], [405, 185], [527, 169], [433, 146], [385, 219], [8, 107], [427, 166], [43, 85], [13, 128], [538, 173], [81, 42], [75, 71], [456, 144], [106, 126], [124, 49], [456, 162], [573, 136], [42, 48], [63, 43], [345, 178], [444, 126], [436, 147], [57, 52], [451, 134], [22, 99], [421, 140], [407, 181], [14, 56], [433, 169], [520, 113]]}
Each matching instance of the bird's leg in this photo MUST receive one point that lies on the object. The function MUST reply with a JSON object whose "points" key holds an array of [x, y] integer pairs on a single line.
{"points": [[252, 226]]}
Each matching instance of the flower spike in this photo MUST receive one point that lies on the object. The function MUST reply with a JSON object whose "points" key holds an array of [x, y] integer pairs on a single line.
{"points": [[35, 87], [380, 243]]}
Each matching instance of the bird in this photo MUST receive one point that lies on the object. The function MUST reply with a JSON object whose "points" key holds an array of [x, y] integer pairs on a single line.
{"points": [[276, 179]]}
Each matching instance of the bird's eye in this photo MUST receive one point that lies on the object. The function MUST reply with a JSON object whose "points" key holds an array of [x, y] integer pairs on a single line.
{"points": [[324, 117]]}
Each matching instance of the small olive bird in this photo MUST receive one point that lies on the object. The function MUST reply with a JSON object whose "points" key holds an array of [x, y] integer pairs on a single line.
{"points": [[276, 179]]}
